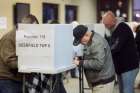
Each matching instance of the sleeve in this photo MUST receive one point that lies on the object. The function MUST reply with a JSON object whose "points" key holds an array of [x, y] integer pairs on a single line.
{"points": [[138, 42], [8, 54], [97, 58]]}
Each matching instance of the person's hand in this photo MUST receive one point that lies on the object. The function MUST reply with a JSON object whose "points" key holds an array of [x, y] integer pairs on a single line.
{"points": [[76, 61]]}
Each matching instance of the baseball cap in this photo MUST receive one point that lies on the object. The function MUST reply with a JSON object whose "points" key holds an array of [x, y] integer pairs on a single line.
{"points": [[78, 33]]}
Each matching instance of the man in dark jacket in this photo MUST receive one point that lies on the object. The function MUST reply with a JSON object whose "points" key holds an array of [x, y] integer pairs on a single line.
{"points": [[98, 64], [137, 38], [124, 52]]}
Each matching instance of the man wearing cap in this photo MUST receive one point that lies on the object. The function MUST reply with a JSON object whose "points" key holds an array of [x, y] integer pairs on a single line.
{"points": [[98, 64]]}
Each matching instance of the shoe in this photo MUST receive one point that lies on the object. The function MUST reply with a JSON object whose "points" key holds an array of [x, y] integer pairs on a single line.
{"points": [[74, 77]]}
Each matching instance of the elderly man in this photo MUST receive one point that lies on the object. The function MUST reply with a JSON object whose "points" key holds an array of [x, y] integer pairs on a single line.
{"points": [[98, 64], [124, 52]]}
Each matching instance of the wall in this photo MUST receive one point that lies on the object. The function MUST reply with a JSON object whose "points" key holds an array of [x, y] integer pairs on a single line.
{"points": [[6, 11], [87, 13], [86, 9]]}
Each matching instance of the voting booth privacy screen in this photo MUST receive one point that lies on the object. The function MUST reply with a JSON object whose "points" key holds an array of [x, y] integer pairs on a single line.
{"points": [[44, 48]]}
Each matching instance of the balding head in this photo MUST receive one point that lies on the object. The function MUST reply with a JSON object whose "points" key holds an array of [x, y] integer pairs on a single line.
{"points": [[109, 13], [109, 20]]}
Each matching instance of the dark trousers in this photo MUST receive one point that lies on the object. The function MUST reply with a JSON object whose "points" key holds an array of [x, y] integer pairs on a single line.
{"points": [[47, 84], [73, 73], [10, 86], [59, 88]]}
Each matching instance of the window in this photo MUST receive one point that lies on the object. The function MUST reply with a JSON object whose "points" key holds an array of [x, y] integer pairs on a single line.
{"points": [[136, 10]]}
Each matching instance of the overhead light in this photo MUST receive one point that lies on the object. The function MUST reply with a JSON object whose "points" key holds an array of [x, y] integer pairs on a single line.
{"points": [[124, 15], [120, 3], [137, 15]]}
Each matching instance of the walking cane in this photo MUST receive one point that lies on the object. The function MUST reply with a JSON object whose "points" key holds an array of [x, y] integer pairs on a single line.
{"points": [[81, 77]]}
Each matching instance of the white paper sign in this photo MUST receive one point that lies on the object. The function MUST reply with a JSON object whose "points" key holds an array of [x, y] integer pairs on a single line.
{"points": [[34, 43], [3, 23]]}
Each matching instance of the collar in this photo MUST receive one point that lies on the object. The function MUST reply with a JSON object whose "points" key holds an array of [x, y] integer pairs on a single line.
{"points": [[116, 25], [91, 37]]}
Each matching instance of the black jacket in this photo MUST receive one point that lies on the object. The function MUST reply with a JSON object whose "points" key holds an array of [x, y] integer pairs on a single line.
{"points": [[138, 38], [123, 48]]}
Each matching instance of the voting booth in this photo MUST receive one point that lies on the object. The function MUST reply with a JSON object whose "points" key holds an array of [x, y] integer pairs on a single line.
{"points": [[99, 28], [44, 48]]}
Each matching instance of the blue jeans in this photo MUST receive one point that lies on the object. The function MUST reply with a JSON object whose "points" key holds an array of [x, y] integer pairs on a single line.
{"points": [[126, 81], [10, 86]]}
